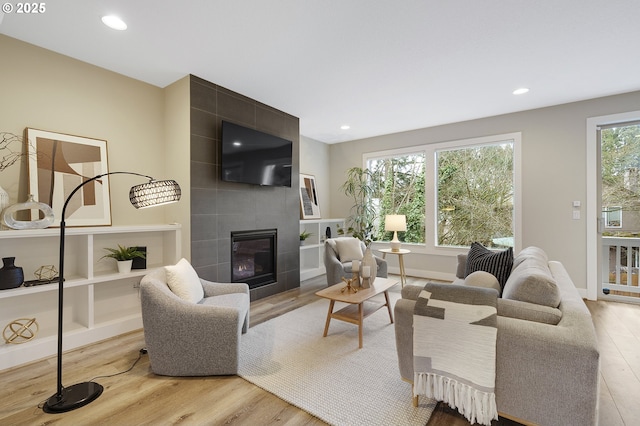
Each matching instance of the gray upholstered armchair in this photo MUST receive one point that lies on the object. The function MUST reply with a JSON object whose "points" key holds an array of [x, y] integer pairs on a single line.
{"points": [[338, 266], [193, 339]]}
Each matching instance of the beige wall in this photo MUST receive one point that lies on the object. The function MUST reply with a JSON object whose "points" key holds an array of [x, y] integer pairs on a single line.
{"points": [[553, 174], [177, 128], [314, 160], [45, 90]]}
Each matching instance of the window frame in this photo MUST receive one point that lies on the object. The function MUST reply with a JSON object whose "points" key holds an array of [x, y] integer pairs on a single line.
{"points": [[606, 213], [431, 178]]}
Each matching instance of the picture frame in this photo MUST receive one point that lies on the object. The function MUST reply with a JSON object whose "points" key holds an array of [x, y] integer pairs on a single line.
{"points": [[58, 163], [309, 205]]}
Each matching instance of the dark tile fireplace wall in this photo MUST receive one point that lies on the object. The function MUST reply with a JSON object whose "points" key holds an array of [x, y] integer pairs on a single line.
{"points": [[218, 208]]}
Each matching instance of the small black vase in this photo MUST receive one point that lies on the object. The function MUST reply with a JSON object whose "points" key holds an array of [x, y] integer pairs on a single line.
{"points": [[11, 276]]}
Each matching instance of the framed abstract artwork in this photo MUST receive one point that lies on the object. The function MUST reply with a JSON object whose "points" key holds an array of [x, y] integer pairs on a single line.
{"points": [[58, 163], [309, 206]]}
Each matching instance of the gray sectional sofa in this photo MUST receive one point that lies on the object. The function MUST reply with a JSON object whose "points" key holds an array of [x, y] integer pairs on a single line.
{"points": [[547, 357]]}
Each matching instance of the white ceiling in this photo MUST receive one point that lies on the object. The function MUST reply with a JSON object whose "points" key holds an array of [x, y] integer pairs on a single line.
{"points": [[381, 66]]}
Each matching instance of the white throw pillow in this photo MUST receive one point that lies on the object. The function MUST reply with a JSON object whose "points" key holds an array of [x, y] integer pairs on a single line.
{"points": [[349, 249], [184, 282], [483, 279]]}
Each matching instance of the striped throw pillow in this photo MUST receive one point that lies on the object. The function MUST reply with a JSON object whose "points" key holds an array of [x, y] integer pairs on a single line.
{"points": [[497, 263]]}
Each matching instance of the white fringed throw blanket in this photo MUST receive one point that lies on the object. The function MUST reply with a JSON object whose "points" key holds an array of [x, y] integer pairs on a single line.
{"points": [[454, 348]]}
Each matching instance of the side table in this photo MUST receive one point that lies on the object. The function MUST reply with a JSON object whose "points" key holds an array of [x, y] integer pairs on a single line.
{"points": [[400, 253]]}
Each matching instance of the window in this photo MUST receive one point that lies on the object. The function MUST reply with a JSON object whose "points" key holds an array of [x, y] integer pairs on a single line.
{"points": [[612, 216], [399, 189], [620, 174], [475, 195], [453, 193]]}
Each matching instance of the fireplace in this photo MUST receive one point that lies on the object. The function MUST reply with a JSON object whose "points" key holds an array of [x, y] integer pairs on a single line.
{"points": [[253, 257]]}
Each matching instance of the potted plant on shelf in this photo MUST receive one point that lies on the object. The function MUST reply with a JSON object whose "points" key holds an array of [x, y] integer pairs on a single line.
{"points": [[303, 236], [124, 256]]}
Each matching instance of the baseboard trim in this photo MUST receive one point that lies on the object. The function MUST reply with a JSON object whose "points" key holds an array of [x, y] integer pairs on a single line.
{"points": [[420, 273]]}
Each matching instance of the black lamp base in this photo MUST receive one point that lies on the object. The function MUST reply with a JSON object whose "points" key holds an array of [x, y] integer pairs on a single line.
{"points": [[73, 397]]}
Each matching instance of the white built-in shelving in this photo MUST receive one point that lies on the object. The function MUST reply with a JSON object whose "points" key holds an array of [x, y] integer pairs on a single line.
{"points": [[99, 302], [312, 250]]}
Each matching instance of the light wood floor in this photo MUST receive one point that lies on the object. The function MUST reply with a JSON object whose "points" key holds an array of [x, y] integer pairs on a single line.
{"points": [[139, 397]]}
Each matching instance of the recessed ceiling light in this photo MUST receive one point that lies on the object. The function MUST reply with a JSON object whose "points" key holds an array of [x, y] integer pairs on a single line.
{"points": [[520, 91], [345, 127], [114, 22]]}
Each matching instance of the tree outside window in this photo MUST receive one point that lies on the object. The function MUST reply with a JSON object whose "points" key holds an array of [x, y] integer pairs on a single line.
{"points": [[620, 160], [475, 196], [452, 193], [399, 184]]}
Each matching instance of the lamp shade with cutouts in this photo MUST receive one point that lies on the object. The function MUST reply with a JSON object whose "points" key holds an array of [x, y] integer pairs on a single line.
{"points": [[154, 193]]}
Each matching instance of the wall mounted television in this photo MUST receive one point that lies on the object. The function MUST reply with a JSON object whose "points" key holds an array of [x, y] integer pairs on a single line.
{"points": [[254, 157]]}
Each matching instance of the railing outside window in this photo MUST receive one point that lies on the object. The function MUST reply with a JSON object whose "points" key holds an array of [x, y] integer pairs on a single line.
{"points": [[620, 267]]}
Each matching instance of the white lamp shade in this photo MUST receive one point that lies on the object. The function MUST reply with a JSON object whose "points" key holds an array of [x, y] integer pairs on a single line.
{"points": [[395, 222]]}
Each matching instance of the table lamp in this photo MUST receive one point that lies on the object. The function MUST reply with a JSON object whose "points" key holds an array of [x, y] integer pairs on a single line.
{"points": [[152, 193], [395, 223]]}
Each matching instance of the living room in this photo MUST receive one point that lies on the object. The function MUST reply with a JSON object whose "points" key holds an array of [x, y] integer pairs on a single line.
{"points": [[149, 130], [100, 103]]}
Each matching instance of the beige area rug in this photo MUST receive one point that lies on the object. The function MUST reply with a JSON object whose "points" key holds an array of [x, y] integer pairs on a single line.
{"points": [[330, 377]]}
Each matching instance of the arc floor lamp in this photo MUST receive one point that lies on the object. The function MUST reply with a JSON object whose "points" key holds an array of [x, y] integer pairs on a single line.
{"points": [[152, 193]]}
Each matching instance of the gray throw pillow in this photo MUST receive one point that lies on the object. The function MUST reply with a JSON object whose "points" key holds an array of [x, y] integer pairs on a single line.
{"points": [[497, 263], [531, 280], [532, 284]]}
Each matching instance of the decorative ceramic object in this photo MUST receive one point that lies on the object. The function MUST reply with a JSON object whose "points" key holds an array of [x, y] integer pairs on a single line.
{"points": [[9, 220], [20, 330], [4, 199], [369, 261], [124, 266], [11, 276]]}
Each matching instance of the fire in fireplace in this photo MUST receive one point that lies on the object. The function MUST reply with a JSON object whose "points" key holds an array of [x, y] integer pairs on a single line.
{"points": [[253, 257]]}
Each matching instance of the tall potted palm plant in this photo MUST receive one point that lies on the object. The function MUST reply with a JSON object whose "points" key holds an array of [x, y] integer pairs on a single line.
{"points": [[359, 188]]}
